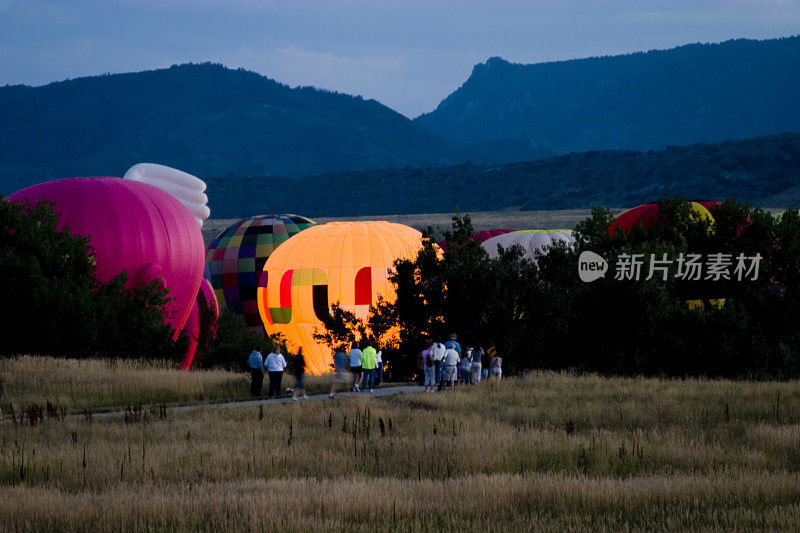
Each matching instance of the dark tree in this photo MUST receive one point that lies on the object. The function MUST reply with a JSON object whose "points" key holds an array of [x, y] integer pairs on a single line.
{"points": [[541, 315], [47, 277]]}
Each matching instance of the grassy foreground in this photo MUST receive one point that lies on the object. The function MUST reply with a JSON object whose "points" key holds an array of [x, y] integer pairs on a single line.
{"points": [[95, 384], [549, 452]]}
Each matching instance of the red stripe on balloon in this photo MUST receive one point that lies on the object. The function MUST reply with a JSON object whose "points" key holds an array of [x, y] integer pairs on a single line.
{"points": [[363, 285], [286, 289]]}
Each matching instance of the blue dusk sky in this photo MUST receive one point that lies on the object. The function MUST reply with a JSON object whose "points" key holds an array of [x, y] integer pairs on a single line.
{"points": [[407, 54]]}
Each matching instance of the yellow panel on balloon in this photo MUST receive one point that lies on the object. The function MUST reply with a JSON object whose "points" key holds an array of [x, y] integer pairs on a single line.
{"points": [[346, 262]]}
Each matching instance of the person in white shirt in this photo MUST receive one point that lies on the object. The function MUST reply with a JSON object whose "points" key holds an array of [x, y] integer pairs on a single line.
{"points": [[355, 366], [275, 364], [450, 368], [438, 357], [497, 366], [378, 368]]}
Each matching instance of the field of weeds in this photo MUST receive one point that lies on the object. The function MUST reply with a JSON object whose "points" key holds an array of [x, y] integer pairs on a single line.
{"points": [[551, 451], [75, 385]]}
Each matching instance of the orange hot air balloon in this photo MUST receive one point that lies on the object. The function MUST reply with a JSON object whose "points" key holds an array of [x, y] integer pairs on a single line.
{"points": [[348, 262]]}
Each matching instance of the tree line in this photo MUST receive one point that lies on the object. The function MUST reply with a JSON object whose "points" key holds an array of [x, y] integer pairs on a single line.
{"points": [[540, 315]]}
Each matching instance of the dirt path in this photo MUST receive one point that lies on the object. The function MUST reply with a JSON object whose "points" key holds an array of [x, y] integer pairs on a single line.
{"points": [[377, 393], [119, 413]]}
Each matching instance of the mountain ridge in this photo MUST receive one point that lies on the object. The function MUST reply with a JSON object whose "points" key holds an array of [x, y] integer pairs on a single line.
{"points": [[222, 124], [208, 119], [702, 92]]}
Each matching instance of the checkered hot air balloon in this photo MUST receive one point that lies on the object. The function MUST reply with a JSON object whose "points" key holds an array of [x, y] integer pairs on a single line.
{"points": [[236, 260]]}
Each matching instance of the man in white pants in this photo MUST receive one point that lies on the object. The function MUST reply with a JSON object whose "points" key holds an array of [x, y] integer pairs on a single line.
{"points": [[450, 368], [476, 365]]}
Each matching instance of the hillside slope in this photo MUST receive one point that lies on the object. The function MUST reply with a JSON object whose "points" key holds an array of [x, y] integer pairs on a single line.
{"points": [[755, 170], [642, 101], [207, 119]]}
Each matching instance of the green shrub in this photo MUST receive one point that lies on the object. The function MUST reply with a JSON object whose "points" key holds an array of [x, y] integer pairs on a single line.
{"points": [[59, 308]]}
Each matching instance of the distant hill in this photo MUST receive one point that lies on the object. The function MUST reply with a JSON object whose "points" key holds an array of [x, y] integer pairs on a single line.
{"points": [[207, 119], [765, 170], [648, 100]]}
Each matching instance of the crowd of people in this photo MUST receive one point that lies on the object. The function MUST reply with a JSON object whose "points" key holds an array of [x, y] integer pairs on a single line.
{"points": [[364, 367], [443, 366], [274, 364]]}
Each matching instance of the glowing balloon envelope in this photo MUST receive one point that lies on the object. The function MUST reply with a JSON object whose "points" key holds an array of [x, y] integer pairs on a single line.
{"points": [[345, 262], [531, 241], [236, 259], [133, 227]]}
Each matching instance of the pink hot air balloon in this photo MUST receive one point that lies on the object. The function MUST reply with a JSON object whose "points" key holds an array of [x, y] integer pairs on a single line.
{"points": [[192, 329], [207, 297], [480, 236], [133, 227]]}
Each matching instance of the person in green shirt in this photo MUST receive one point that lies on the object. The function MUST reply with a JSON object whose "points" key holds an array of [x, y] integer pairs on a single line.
{"points": [[368, 366]]}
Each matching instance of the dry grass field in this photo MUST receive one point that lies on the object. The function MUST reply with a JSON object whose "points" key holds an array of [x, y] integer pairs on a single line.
{"points": [[552, 451], [97, 384]]}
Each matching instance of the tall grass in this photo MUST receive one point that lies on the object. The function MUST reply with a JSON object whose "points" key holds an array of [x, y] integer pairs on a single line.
{"points": [[77, 384], [550, 452], [497, 502]]}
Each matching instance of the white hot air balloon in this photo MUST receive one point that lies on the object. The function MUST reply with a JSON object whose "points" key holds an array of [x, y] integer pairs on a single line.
{"points": [[188, 189], [530, 241]]}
